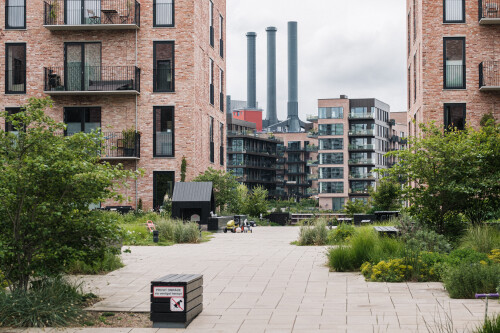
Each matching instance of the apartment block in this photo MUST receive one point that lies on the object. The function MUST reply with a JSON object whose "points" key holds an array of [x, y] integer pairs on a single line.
{"points": [[453, 62], [149, 74]]}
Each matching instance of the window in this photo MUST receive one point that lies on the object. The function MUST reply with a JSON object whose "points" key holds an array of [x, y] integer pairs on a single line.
{"points": [[221, 89], [163, 186], [331, 187], [361, 187], [331, 173], [221, 36], [211, 79], [361, 129], [454, 116], [331, 144], [163, 66], [331, 158], [163, 131], [15, 11], [414, 20], [8, 126], [83, 69], [337, 204], [82, 119], [331, 113], [211, 22], [163, 13], [331, 129], [15, 66], [454, 11], [454, 63], [415, 77], [409, 87], [75, 12], [212, 144], [221, 157]]}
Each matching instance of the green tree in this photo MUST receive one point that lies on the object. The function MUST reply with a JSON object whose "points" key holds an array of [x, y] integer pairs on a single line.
{"points": [[47, 183], [352, 207], [256, 202], [453, 172], [183, 169], [387, 195], [238, 206], [224, 185]]}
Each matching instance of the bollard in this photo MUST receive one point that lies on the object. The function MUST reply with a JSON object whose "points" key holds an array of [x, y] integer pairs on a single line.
{"points": [[155, 236]]}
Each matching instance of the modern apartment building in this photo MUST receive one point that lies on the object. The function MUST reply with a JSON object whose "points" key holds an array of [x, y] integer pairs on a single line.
{"points": [[453, 61], [149, 74], [353, 137]]}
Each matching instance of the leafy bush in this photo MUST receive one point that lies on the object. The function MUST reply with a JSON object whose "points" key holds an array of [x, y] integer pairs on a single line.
{"points": [[491, 325], [482, 239], [495, 256], [428, 240], [315, 235], [340, 259], [3, 283], [394, 270], [177, 231], [108, 263], [49, 303], [468, 256], [341, 234], [466, 279]]}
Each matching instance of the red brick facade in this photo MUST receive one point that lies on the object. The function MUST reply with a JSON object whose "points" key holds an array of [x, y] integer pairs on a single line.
{"points": [[130, 47], [428, 24]]}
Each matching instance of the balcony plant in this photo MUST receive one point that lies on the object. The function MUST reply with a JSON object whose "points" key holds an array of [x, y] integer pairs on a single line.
{"points": [[129, 140]]}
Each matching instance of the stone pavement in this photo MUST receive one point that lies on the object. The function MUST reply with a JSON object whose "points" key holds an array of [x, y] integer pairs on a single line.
{"points": [[260, 283]]}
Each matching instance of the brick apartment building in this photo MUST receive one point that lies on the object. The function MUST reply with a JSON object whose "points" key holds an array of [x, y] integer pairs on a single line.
{"points": [[150, 74], [453, 61]]}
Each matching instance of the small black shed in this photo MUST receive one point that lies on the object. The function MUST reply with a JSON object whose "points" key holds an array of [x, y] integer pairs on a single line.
{"points": [[193, 201]]}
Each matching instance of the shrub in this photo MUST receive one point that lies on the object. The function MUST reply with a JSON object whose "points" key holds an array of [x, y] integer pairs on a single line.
{"points": [[469, 256], [362, 246], [394, 270], [49, 303], [495, 256], [108, 263], [341, 234], [3, 283], [315, 235], [428, 240], [177, 231], [466, 279], [340, 259], [491, 325], [482, 239], [386, 248]]}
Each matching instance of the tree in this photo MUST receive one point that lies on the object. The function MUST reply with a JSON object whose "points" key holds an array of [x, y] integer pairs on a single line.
{"points": [[387, 195], [453, 172], [256, 202], [356, 206], [238, 205], [224, 185], [47, 183], [183, 169]]}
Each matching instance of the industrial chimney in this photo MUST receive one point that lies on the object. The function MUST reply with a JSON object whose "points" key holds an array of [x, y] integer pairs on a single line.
{"points": [[272, 117], [293, 103], [251, 71]]}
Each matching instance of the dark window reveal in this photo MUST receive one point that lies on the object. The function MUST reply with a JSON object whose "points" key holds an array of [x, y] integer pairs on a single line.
{"points": [[82, 119], [163, 186], [454, 116], [163, 66], [163, 131], [15, 68], [454, 63]]}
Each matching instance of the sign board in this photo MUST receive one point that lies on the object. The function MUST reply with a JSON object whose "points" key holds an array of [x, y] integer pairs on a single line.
{"points": [[177, 304], [167, 292]]}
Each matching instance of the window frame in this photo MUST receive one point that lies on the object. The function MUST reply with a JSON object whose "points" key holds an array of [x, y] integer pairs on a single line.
{"points": [[172, 109], [11, 111], [155, 25], [7, 27], [464, 66], [221, 36], [155, 76], [446, 120], [463, 20], [83, 110], [8, 92]]}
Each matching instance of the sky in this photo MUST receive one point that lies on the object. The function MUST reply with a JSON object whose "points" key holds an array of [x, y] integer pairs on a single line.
{"points": [[354, 48]]}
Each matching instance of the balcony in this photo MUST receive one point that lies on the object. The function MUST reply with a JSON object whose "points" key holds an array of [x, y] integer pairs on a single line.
{"points": [[362, 161], [489, 11], [312, 191], [367, 115], [358, 191], [312, 177], [312, 148], [252, 164], [91, 15], [361, 132], [312, 163], [354, 175], [312, 134], [121, 146], [312, 118], [489, 75], [361, 147], [92, 80], [250, 150]]}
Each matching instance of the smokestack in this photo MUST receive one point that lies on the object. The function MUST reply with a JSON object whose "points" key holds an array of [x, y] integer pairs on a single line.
{"points": [[272, 117], [251, 71], [293, 103]]}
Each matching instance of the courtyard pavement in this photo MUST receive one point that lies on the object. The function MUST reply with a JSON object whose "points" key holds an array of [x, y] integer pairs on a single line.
{"points": [[260, 283]]}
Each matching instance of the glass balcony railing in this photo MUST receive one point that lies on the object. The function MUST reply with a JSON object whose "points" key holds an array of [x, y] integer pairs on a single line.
{"points": [[362, 161], [368, 175], [361, 147], [367, 115], [361, 132]]}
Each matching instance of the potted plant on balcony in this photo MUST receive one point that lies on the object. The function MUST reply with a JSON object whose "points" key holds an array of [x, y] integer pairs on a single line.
{"points": [[129, 140], [53, 10]]}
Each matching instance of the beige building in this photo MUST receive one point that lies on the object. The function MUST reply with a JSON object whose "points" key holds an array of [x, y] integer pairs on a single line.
{"points": [[149, 74]]}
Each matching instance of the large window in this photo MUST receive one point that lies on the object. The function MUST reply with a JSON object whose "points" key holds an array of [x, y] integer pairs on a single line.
{"points": [[338, 204], [331, 113], [163, 66], [163, 131], [83, 69], [221, 157], [361, 187], [454, 11], [212, 143], [15, 14], [82, 119], [15, 66], [454, 116], [221, 90], [454, 62], [331, 173], [331, 187], [163, 13], [331, 129], [211, 81], [331, 144], [211, 22], [163, 186], [331, 158], [221, 36]]}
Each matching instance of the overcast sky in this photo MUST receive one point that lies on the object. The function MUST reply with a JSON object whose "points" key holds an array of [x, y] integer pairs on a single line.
{"points": [[356, 48]]}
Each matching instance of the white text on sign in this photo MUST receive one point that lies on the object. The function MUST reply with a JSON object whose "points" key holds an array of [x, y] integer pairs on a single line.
{"points": [[168, 292]]}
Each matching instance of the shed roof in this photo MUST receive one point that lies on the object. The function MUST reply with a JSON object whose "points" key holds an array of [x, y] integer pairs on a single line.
{"points": [[192, 192]]}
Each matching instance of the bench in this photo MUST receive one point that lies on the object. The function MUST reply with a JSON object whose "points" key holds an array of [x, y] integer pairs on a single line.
{"points": [[387, 231]]}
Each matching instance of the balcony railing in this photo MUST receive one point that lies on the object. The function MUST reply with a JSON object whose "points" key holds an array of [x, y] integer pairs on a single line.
{"points": [[361, 147], [368, 161], [121, 146], [367, 115], [312, 134], [312, 177], [489, 75], [15, 81], [361, 132], [91, 14], [92, 80], [454, 77], [312, 118], [354, 175], [252, 164], [163, 79], [312, 162], [312, 148], [489, 11]]}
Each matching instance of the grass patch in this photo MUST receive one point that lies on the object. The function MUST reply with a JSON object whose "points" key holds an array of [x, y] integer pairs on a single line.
{"points": [[108, 263], [482, 239], [491, 325], [466, 279]]}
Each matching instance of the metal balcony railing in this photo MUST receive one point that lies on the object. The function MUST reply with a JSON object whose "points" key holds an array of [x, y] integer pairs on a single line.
{"points": [[489, 75], [489, 11], [15, 81], [361, 147], [91, 13], [312, 134], [117, 79], [454, 77], [121, 145]]}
